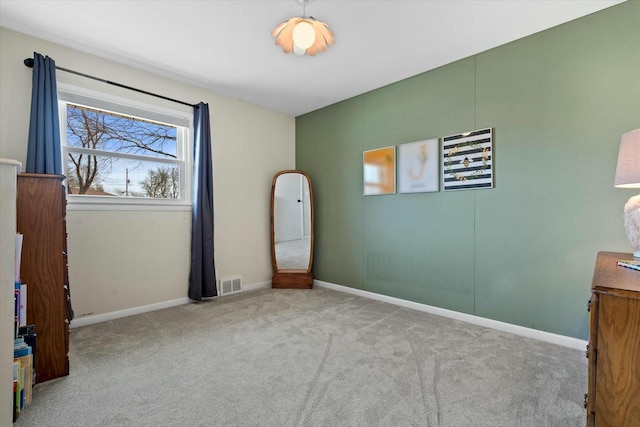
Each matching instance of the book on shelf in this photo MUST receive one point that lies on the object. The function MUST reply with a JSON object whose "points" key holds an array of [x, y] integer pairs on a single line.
{"points": [[20, 347], [629, 263], [18, 256], [22, 383], [22, 317], [30, 338], [19, 352], [18, 377], [16, 311], [20, 301], [15, 390], [26, 363]]}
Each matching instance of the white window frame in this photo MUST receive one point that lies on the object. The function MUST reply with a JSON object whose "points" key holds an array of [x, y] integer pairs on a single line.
{"points": [[68, 94]]}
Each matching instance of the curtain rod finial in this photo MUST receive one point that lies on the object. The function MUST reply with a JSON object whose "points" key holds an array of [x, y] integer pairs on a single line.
{"points": [[29, 62]]}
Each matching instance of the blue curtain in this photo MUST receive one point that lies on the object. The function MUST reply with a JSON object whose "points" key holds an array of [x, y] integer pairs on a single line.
{"points": [[202, 279], [43, 149]]}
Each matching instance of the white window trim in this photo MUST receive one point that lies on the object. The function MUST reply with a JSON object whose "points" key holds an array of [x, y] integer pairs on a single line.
{"points": [[73, 94]]}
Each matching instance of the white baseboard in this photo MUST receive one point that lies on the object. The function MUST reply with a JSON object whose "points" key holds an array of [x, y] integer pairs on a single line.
{"points": [[98, 318], [256, 286], [469, 318]]}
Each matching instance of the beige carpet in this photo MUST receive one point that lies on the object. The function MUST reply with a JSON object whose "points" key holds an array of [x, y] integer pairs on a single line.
{"points": [[293, 254], [308, 358]]}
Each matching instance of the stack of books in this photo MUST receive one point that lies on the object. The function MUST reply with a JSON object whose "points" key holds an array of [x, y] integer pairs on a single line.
{"points": [[22, 375], [24, 344]]}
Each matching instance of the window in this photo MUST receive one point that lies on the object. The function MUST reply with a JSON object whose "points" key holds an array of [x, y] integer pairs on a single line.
{"points": [[115, 152], [373, 178]]}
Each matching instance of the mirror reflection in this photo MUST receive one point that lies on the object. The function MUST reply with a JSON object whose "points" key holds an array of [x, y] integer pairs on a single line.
{"points": [[292, 222]]}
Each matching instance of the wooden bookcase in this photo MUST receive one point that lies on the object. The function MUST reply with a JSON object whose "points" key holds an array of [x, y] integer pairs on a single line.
{"points": [[8, 183], [41, 209], [613, 397]]}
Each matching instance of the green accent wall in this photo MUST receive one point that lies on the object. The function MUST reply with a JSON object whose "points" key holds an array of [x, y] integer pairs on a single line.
{"points": [[522, 252]]}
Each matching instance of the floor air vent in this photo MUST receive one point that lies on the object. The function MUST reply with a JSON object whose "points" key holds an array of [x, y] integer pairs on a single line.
{"points": [[230, 285]]}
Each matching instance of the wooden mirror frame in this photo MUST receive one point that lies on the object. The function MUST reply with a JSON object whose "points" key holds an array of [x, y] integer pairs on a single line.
{"points": [[286, 278]]}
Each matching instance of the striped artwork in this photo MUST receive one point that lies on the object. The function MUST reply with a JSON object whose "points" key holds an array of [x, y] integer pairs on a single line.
{"points": [[467, 160]]}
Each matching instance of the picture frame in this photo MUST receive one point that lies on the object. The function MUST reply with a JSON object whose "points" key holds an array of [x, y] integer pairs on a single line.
{"points": [[379, 171], [418, 166], [467, 160]]}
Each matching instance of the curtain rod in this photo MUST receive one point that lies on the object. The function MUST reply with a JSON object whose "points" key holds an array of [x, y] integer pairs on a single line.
{"points": [[29, 63]]}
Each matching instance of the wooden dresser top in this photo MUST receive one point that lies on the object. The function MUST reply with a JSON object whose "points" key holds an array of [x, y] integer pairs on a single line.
{"points": [[608, 274]]}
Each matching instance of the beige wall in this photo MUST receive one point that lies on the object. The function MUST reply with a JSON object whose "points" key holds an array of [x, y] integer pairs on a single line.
{"points": [[126, 259]]}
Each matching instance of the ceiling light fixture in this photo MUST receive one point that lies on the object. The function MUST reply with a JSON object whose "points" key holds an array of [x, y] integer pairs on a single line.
{"points": [[303, 34]]}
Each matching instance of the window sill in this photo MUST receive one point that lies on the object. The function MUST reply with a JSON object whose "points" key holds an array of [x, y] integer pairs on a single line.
{"points": [[100, 203]]}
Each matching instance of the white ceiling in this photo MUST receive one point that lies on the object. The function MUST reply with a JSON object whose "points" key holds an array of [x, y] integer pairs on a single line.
{"points": [[226, 45]]}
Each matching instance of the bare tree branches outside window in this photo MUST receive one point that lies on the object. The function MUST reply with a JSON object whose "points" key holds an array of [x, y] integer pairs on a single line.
{"points": [[104, 155], [162, 183]]}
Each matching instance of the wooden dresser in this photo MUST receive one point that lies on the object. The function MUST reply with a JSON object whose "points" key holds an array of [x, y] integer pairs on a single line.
{"points": [[41, 207], [614, 344]]}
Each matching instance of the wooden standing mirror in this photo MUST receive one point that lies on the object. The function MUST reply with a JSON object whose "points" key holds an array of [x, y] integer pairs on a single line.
{"points": [[292, 230]]}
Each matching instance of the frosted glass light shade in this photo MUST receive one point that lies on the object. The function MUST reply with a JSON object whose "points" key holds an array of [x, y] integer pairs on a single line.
{"points": [[298, 50], [303, 35]]}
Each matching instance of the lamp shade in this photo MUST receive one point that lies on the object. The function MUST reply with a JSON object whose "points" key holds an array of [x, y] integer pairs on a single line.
{"points": [[628, 168], [303, 35]]}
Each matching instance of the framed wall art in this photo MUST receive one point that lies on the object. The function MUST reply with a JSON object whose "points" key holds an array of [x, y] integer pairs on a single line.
{"points": [[379, 171], [418, 167], [467, 160]]}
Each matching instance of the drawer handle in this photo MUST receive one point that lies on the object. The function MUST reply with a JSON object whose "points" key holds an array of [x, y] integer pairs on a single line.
{"points": [[589, 305]]}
